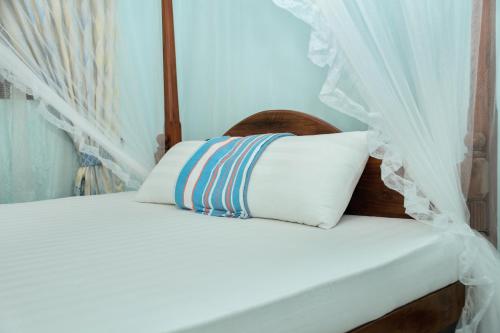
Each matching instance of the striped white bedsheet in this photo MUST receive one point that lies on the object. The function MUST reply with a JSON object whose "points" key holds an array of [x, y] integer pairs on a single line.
{"points": [[109, 264]]}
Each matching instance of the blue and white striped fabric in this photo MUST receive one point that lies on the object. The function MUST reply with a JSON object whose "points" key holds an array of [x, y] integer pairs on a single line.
{"points": [[214, 180]]}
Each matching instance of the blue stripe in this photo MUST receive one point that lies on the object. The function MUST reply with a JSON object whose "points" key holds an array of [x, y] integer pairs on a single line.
{"points": [[235, 194], [217, 195], [221, 165], [221, 175], [206, 174], [252, 165], [189, 166]]}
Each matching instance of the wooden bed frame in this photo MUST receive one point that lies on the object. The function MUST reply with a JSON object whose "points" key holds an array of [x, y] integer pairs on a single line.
{"points": [[434, 313]]}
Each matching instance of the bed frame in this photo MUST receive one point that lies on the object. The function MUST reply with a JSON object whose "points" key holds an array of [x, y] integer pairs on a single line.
{"points": [[434, 313]]}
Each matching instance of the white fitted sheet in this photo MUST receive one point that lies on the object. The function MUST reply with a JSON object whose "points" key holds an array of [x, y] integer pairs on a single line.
{"points": [[109, 264]]}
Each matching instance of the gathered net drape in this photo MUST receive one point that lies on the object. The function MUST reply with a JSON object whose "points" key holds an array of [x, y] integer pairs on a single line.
{"points": [[67, 55], [407, 69]]}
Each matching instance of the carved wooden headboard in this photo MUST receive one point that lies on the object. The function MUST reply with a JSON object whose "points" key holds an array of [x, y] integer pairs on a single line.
{"points": [[371, 196]]}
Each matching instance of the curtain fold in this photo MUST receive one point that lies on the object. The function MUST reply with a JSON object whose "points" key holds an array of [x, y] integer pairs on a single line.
{"points": [[408, 69], [70, 46], [66, 54]]}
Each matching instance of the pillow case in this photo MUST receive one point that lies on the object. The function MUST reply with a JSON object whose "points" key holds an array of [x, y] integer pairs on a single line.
{"points": [[215, 179], [303, 179], [159, 187]]}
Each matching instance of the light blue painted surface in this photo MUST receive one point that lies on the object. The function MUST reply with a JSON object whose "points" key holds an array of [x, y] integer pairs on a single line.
{"points": [[140, 73], [37, 160], [238, 57]]}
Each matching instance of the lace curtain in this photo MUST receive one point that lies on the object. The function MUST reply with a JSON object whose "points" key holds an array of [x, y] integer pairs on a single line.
{"points": [[405, 68], [66, 54]]}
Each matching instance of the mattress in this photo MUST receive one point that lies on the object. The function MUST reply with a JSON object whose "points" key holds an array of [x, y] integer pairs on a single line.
{"points": [[109, 264]]}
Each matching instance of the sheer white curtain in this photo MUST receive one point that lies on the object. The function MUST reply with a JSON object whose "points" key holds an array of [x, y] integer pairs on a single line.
{"points": [[406, 68], [64, 54], [80, 39]]}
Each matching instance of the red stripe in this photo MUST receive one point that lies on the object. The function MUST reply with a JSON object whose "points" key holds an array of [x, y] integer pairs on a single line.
{"points": [[199, 175], [233, 173], [214, 175]]}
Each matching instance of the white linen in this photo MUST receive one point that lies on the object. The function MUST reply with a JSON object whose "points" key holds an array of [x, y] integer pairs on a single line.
{"points": [[109, 264], [308, 179], [305, 179]]}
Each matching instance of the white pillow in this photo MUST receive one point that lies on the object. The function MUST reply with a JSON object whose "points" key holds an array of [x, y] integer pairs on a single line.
{"points": [[159, 187], [304, 179]]}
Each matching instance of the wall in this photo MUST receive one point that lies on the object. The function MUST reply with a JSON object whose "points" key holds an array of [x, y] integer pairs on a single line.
{"points": [[140, 66], [235, 58], [37, 160]]}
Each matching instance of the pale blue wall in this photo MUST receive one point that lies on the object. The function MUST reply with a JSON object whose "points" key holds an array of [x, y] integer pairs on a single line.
{"points": [[238, 57], [37, 160], [140, 68]]}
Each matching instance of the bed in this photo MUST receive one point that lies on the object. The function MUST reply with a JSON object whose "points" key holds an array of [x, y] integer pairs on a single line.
{"points": [[109, 264]]}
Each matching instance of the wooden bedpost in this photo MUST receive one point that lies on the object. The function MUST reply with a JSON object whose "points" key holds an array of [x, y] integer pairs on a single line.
{"points": [[172, 133], [483, 190]]}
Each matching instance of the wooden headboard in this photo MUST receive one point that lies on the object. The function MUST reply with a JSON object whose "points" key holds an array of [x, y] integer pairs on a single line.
{"points": [[371, 197]]}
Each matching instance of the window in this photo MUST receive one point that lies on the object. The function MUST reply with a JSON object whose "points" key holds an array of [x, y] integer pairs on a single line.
{"points": [[5, 89]]}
